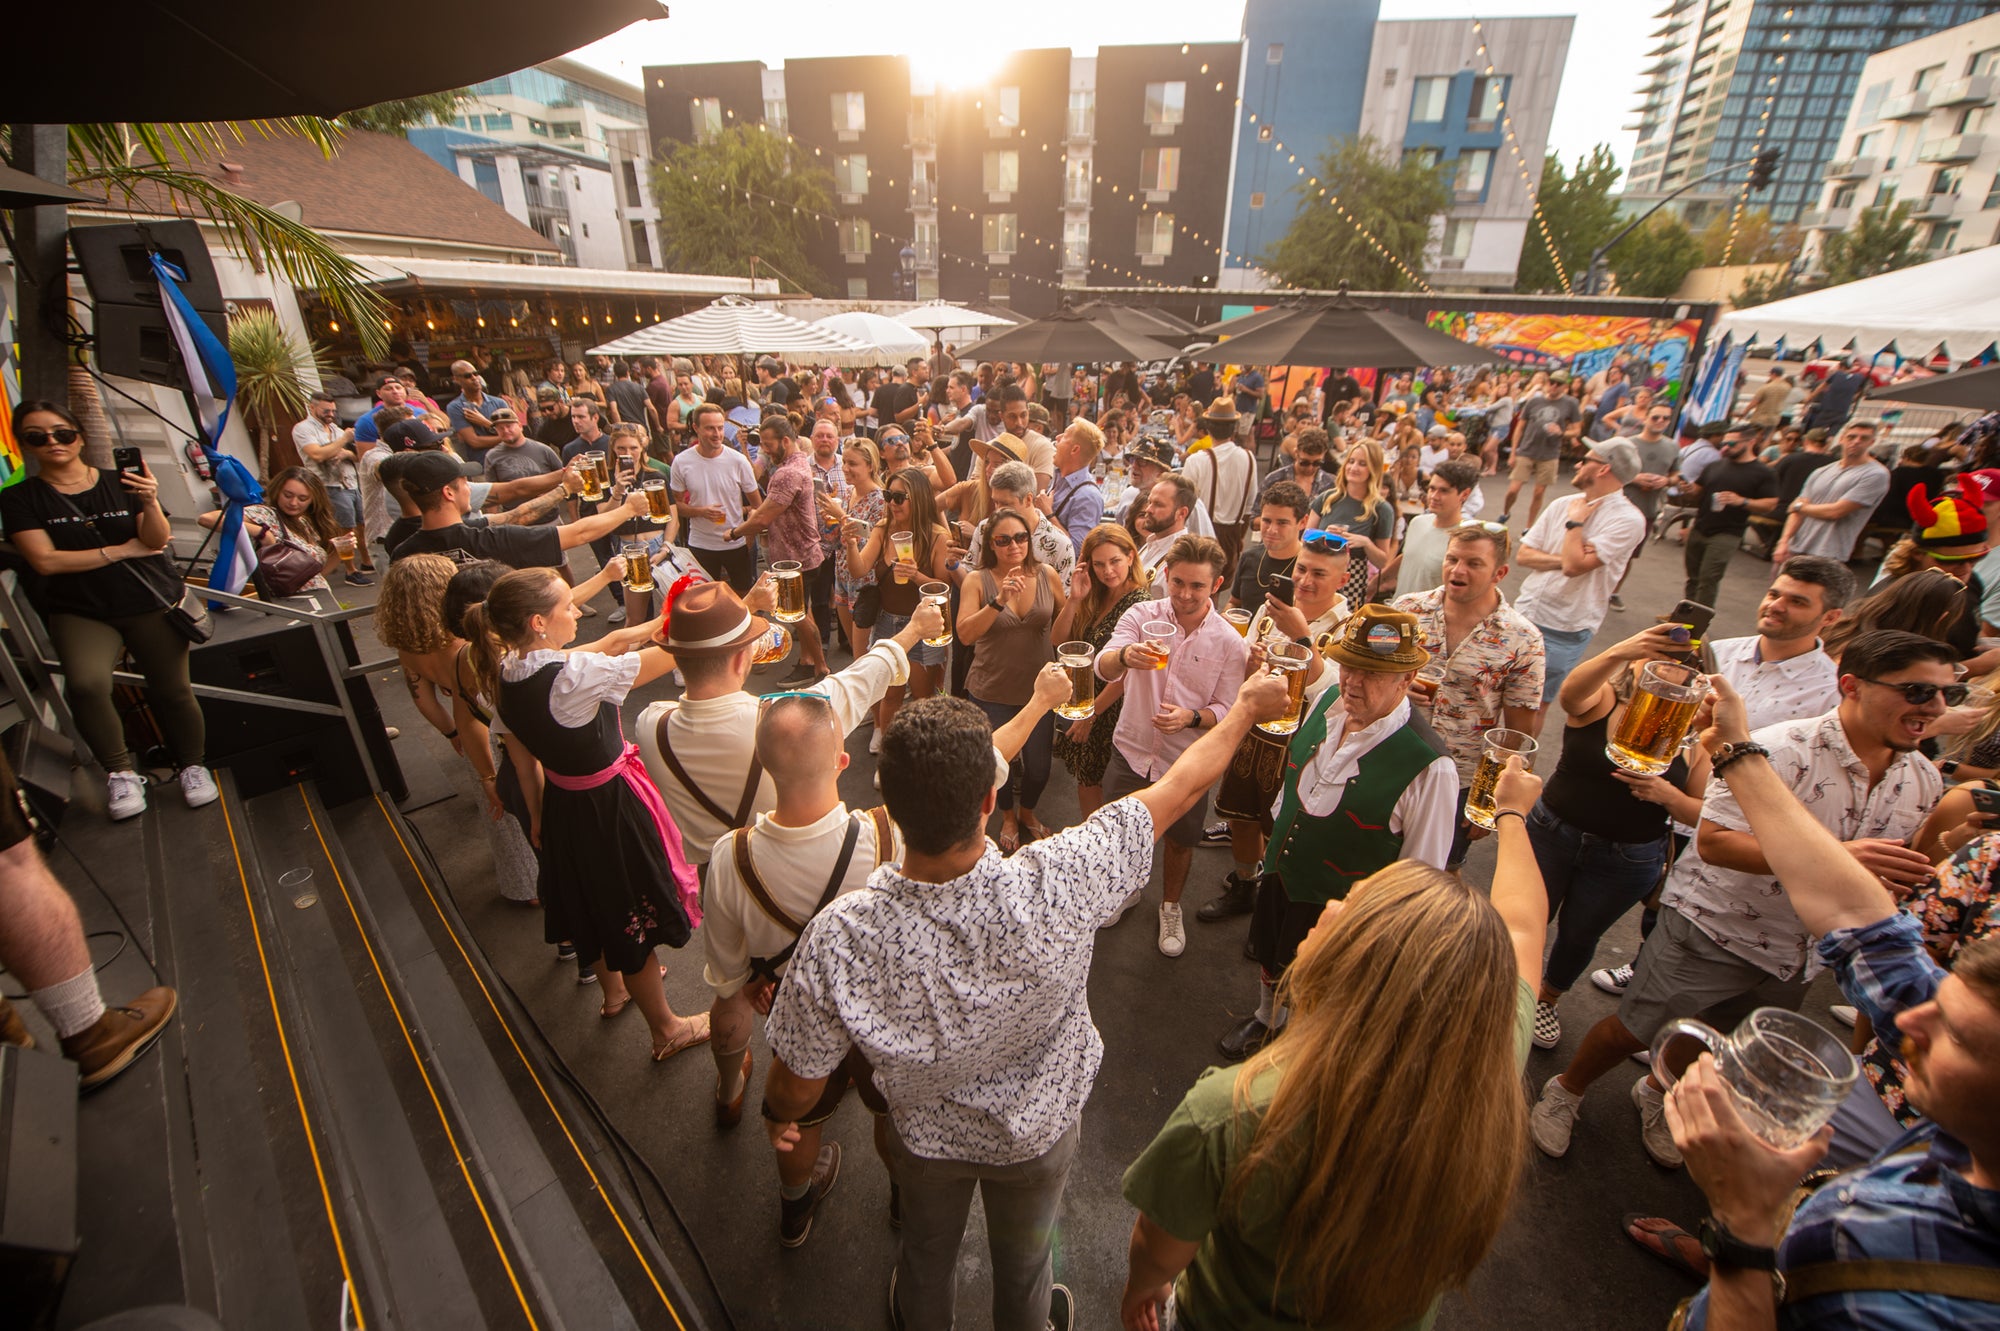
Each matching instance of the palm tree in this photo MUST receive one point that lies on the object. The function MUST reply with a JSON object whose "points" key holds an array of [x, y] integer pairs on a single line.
{"points": [[270, 376]]}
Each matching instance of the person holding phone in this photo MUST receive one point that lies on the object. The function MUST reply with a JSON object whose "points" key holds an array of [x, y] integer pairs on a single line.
{"points": [[76, 525]]}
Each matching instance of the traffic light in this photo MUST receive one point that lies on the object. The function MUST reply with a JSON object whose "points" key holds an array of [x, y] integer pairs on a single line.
{"points": [[1763, 166]]}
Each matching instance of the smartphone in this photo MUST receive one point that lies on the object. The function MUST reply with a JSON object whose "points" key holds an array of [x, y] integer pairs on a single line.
{"points": [[1693, 614], [125, 458], [1281, 587], [1986, 801]]}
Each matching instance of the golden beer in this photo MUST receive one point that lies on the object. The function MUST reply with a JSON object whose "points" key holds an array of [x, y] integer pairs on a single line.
{"points": [[1481, 802], [1079, 663], [1239, 619], [773, 647], [1162, 633], [592, 487], [1288, 659], [599, 465], [906, 550], [344, 547], [1657, 718], [638, 567], [788, 580], [659, 502], [939, 595]]}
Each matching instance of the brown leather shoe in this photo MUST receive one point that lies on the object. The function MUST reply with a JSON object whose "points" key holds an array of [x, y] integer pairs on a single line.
{"points": [[119, 1036], [730, 1114], [12, 1029]]}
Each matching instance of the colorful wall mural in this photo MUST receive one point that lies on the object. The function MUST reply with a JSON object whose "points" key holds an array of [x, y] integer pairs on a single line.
{"points": [[1580, 343]]}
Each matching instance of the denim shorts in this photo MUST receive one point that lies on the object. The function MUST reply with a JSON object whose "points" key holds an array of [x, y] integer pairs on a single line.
{"points": [[1562, 652], [888, 626], [346, 506]]}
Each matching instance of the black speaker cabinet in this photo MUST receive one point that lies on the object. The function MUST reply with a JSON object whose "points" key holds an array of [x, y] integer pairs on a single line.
{"points": [[38, 1234], [268, 748], [132, 336]]}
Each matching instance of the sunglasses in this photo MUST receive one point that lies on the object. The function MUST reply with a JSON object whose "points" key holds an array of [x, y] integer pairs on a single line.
{"points": [[1490, 528], [1917, 695], [62, 434], [1006, 542], [1332, 542], [897, 496], [803, 695]]}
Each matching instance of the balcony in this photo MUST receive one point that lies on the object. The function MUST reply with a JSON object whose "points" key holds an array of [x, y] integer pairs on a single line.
{"points": [[1954, 148], [1826, 219], [1852, 168], [923, 194], [1936, 207], [1076, 194], [1076, 254], [1978, 90], [1910, 106], [1082, 124], [927, 253], [923, 127]]}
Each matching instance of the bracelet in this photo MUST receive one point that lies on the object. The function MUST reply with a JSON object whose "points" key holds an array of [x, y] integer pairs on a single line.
{"points": [[1121, 656], [451, 734], [485, 779], [1509, 813]]}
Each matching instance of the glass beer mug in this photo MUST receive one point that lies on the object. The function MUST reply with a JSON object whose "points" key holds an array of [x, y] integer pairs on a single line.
{"points": [[1786, 1073]]}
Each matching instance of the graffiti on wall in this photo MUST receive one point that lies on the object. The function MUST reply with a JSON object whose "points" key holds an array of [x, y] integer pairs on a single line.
{"points": [[1583, 344]]}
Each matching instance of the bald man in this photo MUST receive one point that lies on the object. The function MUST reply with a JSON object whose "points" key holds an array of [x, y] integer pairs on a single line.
{"points": [[766, 881], [471, 412]]}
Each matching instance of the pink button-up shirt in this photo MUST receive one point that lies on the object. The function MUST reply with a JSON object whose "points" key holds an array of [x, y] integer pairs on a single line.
{"points": [[1204, 670]]}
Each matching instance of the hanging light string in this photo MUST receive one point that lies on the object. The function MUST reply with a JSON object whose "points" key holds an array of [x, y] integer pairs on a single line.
{"points": [[1333, 201], [1512, 139], [1757, 145]]}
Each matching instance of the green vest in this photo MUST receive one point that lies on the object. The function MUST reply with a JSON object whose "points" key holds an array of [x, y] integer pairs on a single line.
{"points": [[1319, 859]]}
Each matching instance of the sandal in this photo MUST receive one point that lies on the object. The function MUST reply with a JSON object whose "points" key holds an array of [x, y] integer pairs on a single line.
{"points": [[1035, 831], [698, 1026], [610, 1010], [1009, 841], [1664, 1240]]}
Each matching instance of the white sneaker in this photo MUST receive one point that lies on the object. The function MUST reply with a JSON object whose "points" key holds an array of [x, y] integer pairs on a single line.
{"points": [[1553, 1118], [1613, 979], [1124, 909], [1548, 1026], [875, 740], [1653, 1130], [1845, 1015], [198, 787], [128, 796], [1173, 938]]}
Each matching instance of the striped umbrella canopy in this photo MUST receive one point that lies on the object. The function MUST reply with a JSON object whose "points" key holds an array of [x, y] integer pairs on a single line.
{"points": [[733, 326]]}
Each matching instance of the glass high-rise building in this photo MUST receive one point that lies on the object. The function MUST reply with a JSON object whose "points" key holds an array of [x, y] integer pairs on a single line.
{"points": [[1728, 77]]}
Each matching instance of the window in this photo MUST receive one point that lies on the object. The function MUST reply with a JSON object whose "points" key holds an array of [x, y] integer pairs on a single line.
{"points": [[1456, 243], [856, 236], [1986, 62], [1993, 194], [1942, 237], [1926, 78], [1003, 111], [500, 122], [850, 113], [1427, 98], [850, 173], [1422, 156], [777, 115], [1948, 180], [999, 290], [1076, 181], [1082, 112], [1166, 103], [1486, 101], [538, 127], [1002, 171], [628, 170], [1474, 166], [1389, 77], [1866, 145], [1274, 54], [1972, 119], [1159, 168], [1885, 194], [1076, 243], [1156, 234], [857, 288], [706, 113], [1000, 233], [1843, 197], [642, 247], [1872, 98], [567, 129]]}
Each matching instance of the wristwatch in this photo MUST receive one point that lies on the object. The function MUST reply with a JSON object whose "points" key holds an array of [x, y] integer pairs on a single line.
{"points": [[1571, 526], [1733, 750], [1727, 1252], [1196, 723]]}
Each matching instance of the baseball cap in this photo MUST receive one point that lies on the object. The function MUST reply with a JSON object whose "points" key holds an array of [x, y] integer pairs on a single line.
{"points": [[414, 433], [1619, 455], [503, 415], [429, 472], [1438, 430]]}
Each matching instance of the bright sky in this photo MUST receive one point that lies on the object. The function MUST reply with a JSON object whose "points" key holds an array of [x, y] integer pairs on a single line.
{"points": [[1599, 86]]}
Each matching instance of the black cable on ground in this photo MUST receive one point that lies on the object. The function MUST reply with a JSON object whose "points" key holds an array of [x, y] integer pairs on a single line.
{"points": [[627, 1152]]}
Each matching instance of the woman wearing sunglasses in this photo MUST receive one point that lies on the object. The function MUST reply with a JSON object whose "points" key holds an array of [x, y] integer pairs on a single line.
{"points": [[97, 539], [1005, 617], [908, 504]]}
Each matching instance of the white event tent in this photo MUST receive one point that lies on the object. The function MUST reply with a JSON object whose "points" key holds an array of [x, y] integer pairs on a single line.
{"points": [[1951, 304]]}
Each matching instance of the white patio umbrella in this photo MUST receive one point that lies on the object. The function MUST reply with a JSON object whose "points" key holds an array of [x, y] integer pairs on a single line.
{"points": [[885, 341], [938, 315], [733, 325]]}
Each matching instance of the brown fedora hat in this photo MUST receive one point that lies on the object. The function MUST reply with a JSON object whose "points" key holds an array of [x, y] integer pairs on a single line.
{"points": [[709, 620], [1377, 638]]}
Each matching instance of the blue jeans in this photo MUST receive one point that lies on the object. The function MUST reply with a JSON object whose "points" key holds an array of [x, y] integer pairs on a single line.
{"points": [[888, 626], [1591, 881], [1562, 649]]}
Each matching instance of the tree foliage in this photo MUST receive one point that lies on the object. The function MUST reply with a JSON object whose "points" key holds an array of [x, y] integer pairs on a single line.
{"points": [[1393, 198], [398, 116], [1880, 240], [1653, 261], [1763, 288], [1581, 215], [1758, 239], [742, 193]]}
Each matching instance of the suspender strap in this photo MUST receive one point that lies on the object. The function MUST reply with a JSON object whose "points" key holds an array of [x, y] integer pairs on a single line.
{"points": [[746, 869], [1976, 1284], [885, 836], [714, 810]]}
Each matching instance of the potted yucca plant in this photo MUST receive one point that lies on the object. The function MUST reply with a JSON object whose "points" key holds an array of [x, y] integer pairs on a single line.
{"points": [[273, 370]]}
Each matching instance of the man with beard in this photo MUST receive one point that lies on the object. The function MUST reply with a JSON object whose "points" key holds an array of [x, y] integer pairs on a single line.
{"points": [[1727, 934], [1734, 490], [1163, 521]]}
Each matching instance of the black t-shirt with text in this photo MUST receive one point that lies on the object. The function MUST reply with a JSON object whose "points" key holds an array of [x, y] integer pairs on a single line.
{"points": [[105, 514]]}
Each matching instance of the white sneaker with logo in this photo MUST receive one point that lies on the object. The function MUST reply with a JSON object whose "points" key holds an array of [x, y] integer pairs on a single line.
{"points": [[128, 796], [198, 787], [1173, 938]]}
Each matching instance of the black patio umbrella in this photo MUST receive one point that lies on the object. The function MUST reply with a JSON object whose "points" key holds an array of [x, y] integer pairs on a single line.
{"points": [[1237, 325], [18, 189], [1068, 336], [249, 59], [1976, 389], [1141, 319], [1343, 331]]}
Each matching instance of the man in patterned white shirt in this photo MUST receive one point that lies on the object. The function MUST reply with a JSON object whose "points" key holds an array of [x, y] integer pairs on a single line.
{"points": [[1727, 933], [962, 977]]}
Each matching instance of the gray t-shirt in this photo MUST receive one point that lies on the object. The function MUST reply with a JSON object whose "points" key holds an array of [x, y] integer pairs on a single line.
{"points": [[529, 458], [1864, 485], [1543, 420], [1660, 457], [1423, 555]]}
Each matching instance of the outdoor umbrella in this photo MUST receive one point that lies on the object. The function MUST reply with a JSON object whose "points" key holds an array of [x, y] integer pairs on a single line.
{"points": [[1068, 336], [249, 59], [1141, 319], [1345, 332], [18, 189], [1975, 389], [883, 340], [1240, 324], [732, 326], [936, 314]]}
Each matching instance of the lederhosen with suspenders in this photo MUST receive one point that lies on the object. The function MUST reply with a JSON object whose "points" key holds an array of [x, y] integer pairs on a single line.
{"points": [[1231, 534], [741, 818], [854, 1068]]}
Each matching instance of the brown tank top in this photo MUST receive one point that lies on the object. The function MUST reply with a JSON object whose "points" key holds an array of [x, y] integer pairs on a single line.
{"points": [[1013, 651]]}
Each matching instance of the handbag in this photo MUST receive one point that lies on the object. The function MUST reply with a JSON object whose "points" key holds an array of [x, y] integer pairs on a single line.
{"points": [[284, 569], [188, 615], [867, 606]]}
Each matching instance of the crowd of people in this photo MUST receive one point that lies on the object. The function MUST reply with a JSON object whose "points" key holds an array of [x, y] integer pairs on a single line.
{"points": [[1278, 627]]}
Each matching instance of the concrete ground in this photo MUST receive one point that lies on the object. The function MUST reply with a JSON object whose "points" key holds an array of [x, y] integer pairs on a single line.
{"points": [[1561, 1260]]}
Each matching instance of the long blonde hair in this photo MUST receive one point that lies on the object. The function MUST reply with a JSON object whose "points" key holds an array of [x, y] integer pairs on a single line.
{"points": [[500, 623], [1961, 746], [1390, 1208], [1377, 469]]}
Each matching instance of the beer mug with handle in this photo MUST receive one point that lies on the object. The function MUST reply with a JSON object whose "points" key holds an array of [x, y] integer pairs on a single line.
{"points": [[1786, 1073]]}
